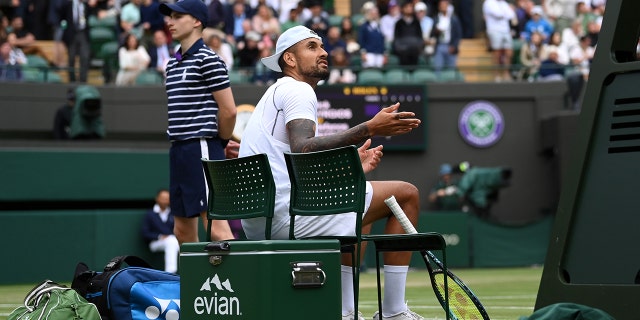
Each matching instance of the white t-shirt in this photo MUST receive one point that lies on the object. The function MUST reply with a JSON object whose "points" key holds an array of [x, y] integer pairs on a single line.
{"points": [[266, 132]]}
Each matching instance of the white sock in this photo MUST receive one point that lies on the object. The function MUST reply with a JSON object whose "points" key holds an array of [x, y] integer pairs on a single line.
{"points": [[395, 280], [347, 290]]}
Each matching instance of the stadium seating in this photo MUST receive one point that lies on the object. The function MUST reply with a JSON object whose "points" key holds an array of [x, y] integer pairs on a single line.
{"points": [[424, 75], [149, 77], [371, 76], [397, 76]]}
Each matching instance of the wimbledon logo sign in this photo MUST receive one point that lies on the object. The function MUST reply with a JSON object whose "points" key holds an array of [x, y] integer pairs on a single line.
{"points": [[481, 124], [219, 301]]}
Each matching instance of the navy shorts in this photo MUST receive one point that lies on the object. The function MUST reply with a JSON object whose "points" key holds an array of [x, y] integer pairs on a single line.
{"points": [[187, 184]]}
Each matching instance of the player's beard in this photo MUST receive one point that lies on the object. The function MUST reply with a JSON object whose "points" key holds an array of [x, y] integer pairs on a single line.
{"points": [[316, 72]]}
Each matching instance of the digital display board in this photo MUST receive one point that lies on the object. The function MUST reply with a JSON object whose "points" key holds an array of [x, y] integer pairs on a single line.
{"points": [[341, 107]]}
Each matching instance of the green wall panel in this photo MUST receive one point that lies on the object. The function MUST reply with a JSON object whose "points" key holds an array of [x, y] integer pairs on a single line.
{"points": [[82, 175]]}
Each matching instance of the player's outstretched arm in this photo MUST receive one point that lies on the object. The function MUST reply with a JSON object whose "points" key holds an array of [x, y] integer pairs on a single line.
{"points": [[387, 122]]}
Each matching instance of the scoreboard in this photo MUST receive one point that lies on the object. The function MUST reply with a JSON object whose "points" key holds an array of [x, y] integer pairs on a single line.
{"points": [[341, 107]]}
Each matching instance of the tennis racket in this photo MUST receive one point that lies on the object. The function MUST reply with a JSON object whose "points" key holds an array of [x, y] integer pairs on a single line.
{"points": [[463, 303]]}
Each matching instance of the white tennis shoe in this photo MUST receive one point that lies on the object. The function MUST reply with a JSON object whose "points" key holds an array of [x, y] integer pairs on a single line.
{"points": [[405, 315], [351, 317]]}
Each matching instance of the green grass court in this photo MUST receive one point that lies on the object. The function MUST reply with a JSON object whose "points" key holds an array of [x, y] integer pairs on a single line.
{"points": [[506, 293]]}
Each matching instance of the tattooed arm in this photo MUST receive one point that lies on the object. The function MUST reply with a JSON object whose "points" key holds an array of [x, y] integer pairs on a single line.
{"points": [[387, 122]]}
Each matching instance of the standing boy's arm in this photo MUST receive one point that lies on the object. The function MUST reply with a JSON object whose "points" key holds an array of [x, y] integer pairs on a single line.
{"points": [[226, 112]]}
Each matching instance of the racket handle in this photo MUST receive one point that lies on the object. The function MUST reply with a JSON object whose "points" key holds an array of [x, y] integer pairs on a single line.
{"points": [[392, 203]]}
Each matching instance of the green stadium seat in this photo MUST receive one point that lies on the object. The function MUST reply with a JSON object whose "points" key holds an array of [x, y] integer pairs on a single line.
{"points": [[397, 75], [238, 77], [36, 61], [392, 61], [449, 75], [149, 77], [335, 20], [424, 75], [98, 36], [371, 76]]}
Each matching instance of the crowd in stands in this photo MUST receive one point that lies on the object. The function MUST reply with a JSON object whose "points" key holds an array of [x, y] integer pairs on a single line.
{"points": [[530, 40]]}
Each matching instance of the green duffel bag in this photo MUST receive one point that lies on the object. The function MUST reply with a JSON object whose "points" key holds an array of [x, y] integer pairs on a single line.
{"points": [[53, 301]]}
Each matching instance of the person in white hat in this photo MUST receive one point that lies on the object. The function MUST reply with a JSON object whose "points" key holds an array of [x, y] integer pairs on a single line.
{"points": [[285, 120]]}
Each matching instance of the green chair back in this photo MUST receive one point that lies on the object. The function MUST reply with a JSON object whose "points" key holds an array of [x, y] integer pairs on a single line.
{"points": [[326, 183], [240, 188], [370, 76], [329, 182], [424, 75], [397, 76], [149, 77]]}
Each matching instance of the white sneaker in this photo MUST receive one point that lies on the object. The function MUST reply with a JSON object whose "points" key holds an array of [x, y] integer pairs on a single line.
{"points": [[405, 315], [350, 316]]}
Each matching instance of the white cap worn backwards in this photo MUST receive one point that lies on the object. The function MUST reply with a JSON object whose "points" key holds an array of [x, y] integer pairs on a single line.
{"points": [[286, 40]]}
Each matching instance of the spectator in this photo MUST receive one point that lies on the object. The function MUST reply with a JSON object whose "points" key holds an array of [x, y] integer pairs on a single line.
{"points": [[340, 73], [556, 44], [498, 15], [292, 21], [285, 11], [55, 20], [132, 58], [216, 14], [76, 39], [584, 14], [426, 23], [581, 56], [551, 69], [249, 53], [464, 10], [538, 24], [444, 195], [159, 52], [131, 20], [408, 42], [10, 8], [448, 33], [10, 70], [318, 21], [214, 38], [157, 231], [530, 56], [333, 41], [571, 36], [371, 40], [151, 20], [349, 35], [522, 13], [560, 12], [23, 39], [17, 56], [64, 114], [233, 25], [388, 21], [266, 25]]}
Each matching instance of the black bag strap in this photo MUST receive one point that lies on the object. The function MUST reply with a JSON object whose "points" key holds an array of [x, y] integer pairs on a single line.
{"points": [[132, 261]]}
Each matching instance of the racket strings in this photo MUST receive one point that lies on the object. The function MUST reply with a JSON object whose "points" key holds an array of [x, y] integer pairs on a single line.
{"points": [[460, 304]]}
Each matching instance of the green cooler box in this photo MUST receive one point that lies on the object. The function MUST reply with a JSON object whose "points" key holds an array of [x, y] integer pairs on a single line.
{"points": [[268, 279]]}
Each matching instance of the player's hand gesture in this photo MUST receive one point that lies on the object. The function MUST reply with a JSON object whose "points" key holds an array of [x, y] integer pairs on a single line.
{"points": [[390, 122], [370, 158]]}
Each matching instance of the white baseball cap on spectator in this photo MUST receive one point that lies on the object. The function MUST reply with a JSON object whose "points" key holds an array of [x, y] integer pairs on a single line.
{"points": [[286, 40]]}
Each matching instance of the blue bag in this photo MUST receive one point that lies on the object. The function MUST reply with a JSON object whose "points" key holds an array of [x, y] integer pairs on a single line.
{"points": [[137, 292]]}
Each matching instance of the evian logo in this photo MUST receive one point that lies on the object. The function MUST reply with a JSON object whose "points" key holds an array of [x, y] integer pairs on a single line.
{"points": [[162, 310], [219, 301]]}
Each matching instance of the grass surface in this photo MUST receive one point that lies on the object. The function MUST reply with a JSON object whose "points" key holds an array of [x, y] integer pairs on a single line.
{"points": [[506, 293]]}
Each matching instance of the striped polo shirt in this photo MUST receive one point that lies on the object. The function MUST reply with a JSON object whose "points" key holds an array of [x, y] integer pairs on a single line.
{"points": [[191, 80]]}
